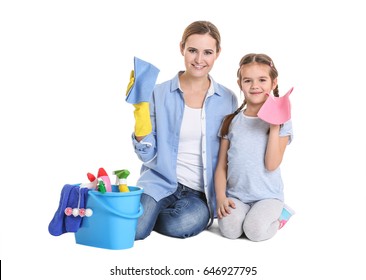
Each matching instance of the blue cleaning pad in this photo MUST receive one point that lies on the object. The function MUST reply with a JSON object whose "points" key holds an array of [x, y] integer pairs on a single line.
{"points": [[57, 224], [61, 223], [145, 75]]}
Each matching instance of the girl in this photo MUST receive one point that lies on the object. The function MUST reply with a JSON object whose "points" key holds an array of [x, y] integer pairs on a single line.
{"points": [[179, 153], [248, 184]]}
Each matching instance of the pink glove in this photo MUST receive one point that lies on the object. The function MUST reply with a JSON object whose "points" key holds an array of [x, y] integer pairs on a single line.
{"points": [[276, 110]]}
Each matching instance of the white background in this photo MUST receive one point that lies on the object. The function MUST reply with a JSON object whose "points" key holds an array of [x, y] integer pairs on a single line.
{"points": [[64, 69]]}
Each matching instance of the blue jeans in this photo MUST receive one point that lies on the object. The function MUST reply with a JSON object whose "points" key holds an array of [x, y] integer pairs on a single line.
{"points": [[183, 214]]}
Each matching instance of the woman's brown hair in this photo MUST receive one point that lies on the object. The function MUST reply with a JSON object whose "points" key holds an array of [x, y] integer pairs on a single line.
{"points": [[202, 27]]}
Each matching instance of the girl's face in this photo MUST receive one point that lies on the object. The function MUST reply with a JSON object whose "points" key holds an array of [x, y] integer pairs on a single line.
{"points": [[256, 83], [199, 54]]}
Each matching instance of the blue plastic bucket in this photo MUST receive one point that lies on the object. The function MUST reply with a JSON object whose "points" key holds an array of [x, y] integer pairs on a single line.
{"points": [[114, 220]]}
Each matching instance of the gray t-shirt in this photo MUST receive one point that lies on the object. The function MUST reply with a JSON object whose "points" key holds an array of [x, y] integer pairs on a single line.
{"points": [[247, 178]]}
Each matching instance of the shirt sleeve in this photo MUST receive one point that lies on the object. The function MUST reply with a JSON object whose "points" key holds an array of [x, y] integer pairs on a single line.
{"points": [[145, 148], [286, 130]]}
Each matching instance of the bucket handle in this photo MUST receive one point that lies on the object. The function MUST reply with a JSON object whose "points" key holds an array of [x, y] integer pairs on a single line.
{"points": [[122, 215]]}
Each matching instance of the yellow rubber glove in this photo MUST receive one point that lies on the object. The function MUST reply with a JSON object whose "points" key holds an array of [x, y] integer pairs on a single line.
{"points": [[142, 119], [143, 125]]}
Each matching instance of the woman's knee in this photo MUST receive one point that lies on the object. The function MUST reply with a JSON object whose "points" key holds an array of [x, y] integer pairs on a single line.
{"points": [[186, 218], [145, 224]]}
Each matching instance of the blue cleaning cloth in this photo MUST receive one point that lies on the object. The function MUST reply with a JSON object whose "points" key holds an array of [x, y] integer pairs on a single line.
{"points": [[61, 223], [145, 75]]}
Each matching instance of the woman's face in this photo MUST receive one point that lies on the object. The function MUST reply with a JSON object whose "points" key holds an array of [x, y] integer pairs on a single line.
{"points": [[199, 54], [256, 83]]}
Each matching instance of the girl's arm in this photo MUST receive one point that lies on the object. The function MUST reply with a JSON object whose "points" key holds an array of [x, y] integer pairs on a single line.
{"points": [[223, 204], [276, 147]]}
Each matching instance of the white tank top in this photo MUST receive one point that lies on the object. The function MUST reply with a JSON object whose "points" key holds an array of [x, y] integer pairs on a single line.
{"points": [[189, 163]]}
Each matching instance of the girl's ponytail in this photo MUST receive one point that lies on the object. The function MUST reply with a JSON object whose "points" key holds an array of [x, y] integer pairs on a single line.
{"points": [[227, 120]]}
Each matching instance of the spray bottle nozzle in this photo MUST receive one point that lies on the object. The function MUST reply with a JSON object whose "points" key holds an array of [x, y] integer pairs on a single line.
{"points": [[121, 176]]}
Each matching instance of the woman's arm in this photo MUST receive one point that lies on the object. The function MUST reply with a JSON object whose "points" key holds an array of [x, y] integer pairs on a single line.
{"points": [[145, 146]]}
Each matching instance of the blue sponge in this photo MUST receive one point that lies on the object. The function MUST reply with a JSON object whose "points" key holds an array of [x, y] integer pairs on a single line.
{"points": [[145, 76]]}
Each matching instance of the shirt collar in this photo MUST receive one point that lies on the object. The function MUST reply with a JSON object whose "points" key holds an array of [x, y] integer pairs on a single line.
{"points": [[175, 86]]}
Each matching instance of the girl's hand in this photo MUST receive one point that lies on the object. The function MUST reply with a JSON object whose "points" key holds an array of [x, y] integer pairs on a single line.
{"points": [[224, 206]]}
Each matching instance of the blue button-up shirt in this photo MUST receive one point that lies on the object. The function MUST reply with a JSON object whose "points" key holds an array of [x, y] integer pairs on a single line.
{"points": [[159, 150]]}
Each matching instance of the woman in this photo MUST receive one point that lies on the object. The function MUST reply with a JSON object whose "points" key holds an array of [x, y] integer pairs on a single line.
{"points": [[179, 152]]}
